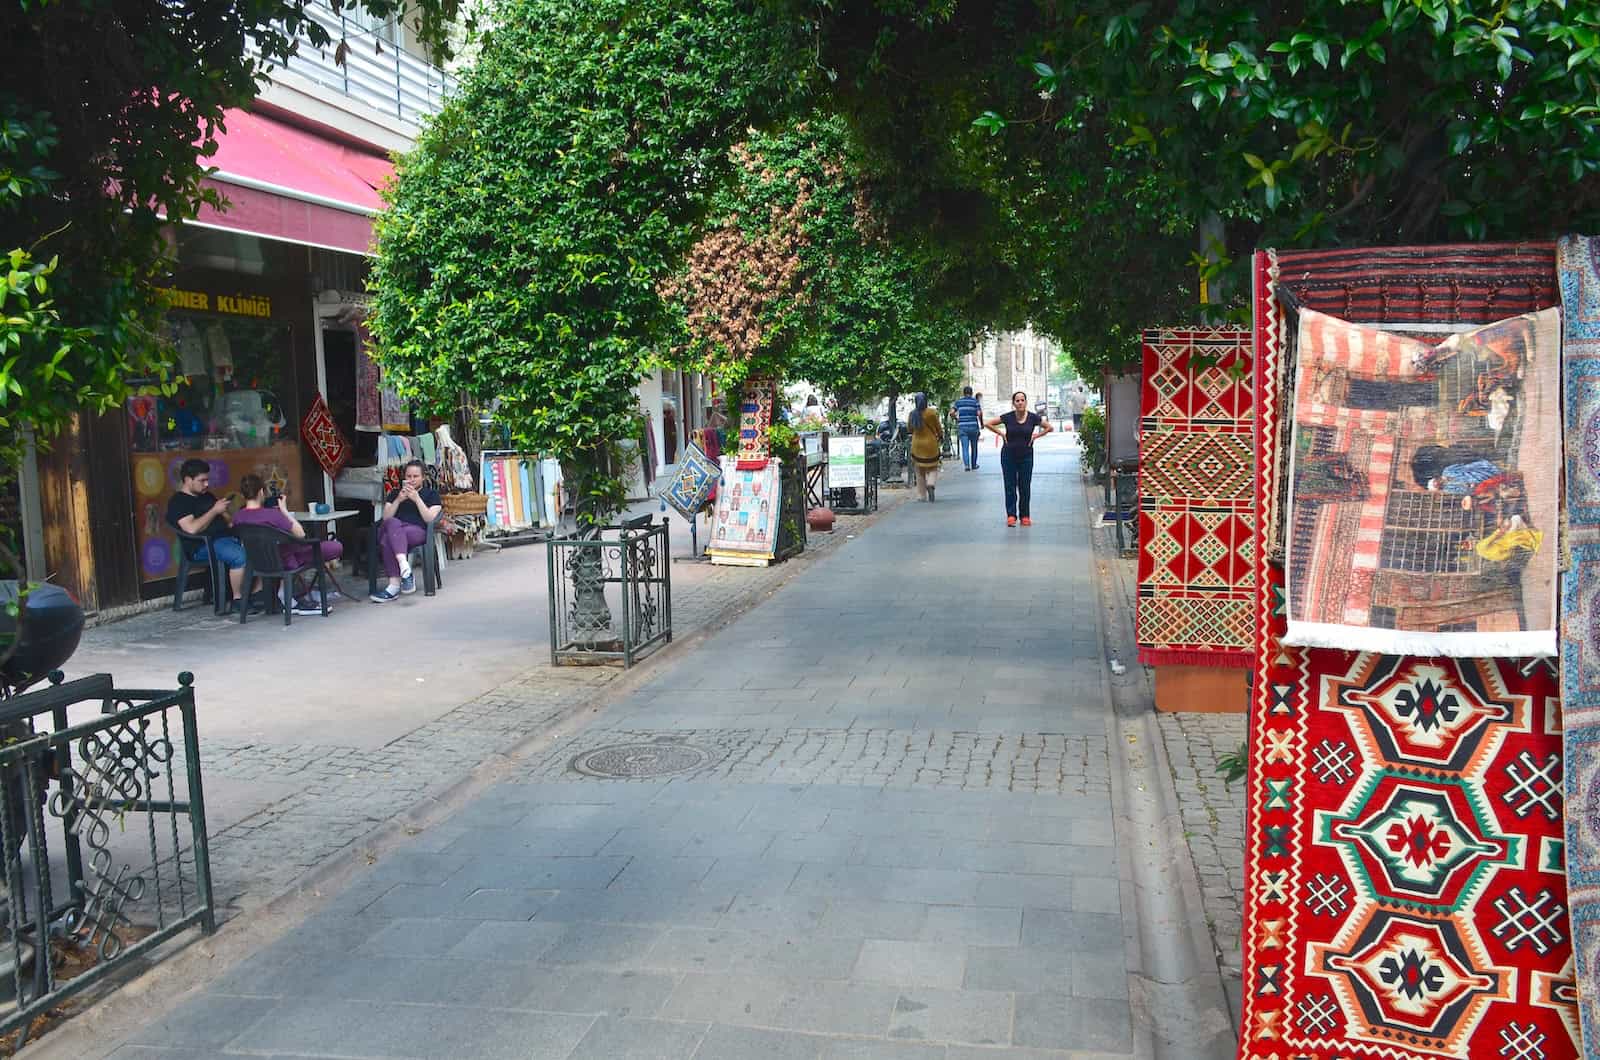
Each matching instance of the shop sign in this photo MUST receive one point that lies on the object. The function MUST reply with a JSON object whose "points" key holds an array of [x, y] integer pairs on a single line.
{"points": [[240, 305], [847, 461]]}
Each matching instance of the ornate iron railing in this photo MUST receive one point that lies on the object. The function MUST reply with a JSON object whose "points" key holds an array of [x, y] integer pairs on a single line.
{"points": [[97, 870], [610, 593]]}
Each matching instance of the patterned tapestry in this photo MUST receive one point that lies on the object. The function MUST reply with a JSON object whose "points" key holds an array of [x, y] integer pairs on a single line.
{"points": [[744, 531], [692, 486], [1196, 498], [323, 437], [1424, 488], [1578, 262], [1404, 887], [755, 416]]}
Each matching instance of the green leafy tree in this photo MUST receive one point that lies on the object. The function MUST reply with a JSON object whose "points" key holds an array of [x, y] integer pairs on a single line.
{"points": [[528, 232], [107, 113], [795, 275], [1074, 155]]}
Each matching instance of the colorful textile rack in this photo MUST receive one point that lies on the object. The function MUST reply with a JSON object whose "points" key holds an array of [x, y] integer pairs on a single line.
{"points": [[1196, 498], [511, 482], [1423, 491], [1578, 262], [1405, 894]]}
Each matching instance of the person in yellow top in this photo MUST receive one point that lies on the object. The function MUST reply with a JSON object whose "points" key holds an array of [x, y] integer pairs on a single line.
{"points": [[927, 439]]}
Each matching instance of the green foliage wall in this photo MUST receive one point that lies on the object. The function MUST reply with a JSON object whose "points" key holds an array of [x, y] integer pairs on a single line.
{"points": [[529, 230]]}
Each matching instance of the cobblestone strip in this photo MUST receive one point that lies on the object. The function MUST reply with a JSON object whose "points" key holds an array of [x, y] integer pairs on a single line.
{"points": [[1052, 763], [1213, 819], [346, 792]]}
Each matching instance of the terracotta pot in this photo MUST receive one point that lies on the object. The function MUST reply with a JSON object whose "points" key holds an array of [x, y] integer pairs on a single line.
{"points": [[820, 519]]}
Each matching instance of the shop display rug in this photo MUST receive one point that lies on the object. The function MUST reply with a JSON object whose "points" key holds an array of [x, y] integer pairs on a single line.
{"points": [[1578, 262], [1196, 502], [1424, 488], [1405, 895], [755, 417]]}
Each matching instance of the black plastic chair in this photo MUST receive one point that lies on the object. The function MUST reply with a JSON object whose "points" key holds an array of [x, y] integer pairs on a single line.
{"points": [[432, 577], [218, 589], [263, 558]]}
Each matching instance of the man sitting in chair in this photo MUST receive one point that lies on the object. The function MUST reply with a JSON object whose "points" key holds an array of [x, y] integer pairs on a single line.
{"points": [[195, 510], [261, 510], [407, 511]]}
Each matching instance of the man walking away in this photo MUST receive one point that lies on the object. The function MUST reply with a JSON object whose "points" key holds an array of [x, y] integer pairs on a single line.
{"points": [[1076, 404], [969, 424]]}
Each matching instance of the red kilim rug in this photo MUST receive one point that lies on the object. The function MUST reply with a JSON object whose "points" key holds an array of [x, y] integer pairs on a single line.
{"points": [[1196, 498], [1405, 894]]}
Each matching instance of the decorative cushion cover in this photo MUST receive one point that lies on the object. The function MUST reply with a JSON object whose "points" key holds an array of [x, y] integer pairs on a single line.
{"points": [[328, 445], [692, 486]]}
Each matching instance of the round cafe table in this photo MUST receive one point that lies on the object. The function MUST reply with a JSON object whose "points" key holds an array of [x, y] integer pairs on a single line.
{"points": [[319, 527]]}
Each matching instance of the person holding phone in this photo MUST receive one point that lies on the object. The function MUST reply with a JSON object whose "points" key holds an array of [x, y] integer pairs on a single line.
{"points": [[1018, 429], [262, 509], [195, 510], [407, 511]]}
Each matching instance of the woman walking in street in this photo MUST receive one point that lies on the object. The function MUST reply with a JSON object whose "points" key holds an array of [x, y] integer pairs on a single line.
{"points": [[926, 441], [1018, 429]]}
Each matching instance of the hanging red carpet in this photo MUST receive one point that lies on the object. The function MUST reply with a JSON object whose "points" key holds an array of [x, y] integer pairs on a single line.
{"points": [[1405, 895], [1196, 499]]}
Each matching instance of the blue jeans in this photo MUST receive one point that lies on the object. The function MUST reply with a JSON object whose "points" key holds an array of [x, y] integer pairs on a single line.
{"points": [[1017, 470], [969, 448], [230, 551]]}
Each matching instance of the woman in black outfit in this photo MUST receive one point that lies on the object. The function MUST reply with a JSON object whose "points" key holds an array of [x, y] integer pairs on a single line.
{"points": [[1018, 428]]}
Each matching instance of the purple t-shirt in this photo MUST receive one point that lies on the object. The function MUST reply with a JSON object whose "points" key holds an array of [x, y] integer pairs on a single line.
{"points": [[273, 517]]}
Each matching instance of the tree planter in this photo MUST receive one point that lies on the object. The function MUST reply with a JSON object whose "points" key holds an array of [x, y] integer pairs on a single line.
{"points": [[610, 594]]}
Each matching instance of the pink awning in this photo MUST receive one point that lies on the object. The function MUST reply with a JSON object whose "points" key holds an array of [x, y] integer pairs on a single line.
{"points": [[283, 182]]}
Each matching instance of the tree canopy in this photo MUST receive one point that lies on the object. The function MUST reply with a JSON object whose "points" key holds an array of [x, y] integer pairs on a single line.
{"points": [[796, 275], [530, 229], [1076, 153]]}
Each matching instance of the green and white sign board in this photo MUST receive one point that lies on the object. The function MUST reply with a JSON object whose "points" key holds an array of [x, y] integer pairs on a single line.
{"points": [[847, 462]]}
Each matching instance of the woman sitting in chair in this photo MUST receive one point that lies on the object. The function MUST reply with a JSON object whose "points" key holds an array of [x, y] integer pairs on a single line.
{"points": [[257, 512], [407, 512]]}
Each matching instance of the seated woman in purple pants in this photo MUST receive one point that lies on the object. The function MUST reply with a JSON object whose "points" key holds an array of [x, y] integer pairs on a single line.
{"points": [[257, 512], [407, 512]]}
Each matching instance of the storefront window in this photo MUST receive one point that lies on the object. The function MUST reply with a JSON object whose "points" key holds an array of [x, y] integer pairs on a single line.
{"points": [[232, 373], [230, 409]]}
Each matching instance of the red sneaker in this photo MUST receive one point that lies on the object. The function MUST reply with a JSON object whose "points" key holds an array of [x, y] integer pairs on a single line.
{"points": [[1026, 521], [1011, 520]]}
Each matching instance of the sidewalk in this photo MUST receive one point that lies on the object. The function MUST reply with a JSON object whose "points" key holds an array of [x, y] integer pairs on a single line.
{"points": [[876, 816], [313, 735]]}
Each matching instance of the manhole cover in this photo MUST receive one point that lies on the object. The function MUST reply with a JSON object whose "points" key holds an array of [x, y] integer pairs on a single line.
{"points": [[627, 760]]}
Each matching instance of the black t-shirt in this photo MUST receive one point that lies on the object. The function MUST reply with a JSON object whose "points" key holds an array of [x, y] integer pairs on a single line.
{"points": [[184, 504], [407, 511], [1019, 433]]}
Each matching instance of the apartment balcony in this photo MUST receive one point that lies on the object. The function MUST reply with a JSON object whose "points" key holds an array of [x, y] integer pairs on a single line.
{"points": [[393, 82]]}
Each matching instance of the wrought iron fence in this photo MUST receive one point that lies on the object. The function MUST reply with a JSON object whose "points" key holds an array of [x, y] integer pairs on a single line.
{"points": [[102, 837], [612, 576]]}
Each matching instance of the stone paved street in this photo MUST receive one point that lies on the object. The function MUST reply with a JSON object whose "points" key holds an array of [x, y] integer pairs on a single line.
{"points": [[877, 816]]}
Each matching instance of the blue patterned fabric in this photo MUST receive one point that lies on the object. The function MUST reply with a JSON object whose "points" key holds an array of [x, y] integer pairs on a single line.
{"points": [[1578, 268], [691, 487]]}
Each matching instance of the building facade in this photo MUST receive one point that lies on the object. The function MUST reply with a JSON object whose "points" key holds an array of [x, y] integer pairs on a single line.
{"points": [[266, 307], [998, 365]]}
